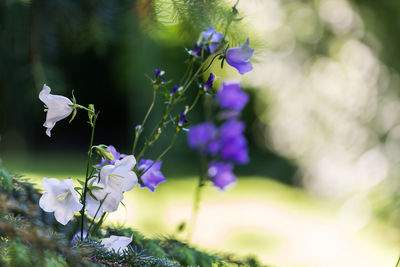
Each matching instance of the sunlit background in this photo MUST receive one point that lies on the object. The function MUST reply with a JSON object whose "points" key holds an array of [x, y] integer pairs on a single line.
{"points": [[323, 122]]}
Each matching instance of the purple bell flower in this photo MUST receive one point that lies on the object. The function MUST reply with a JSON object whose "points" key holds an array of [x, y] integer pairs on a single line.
{"points": [[203, 137], [221, 174], [173, 91], [209, 83], [77, 237], [196, 51], [213, 37], [231, 96], [182, 118], [159, 74], [239, 57], [233, 144], [153, 176], [116, 155]]}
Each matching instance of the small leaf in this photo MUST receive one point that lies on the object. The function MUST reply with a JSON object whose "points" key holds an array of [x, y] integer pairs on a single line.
{"points": [[91, 194], [95, 188]]}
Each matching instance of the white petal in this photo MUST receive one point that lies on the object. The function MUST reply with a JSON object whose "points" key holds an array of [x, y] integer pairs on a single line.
{"points": [[117, 243], [58, 108], [63, 215], [48, 202], [44, 93], [120, 175]]}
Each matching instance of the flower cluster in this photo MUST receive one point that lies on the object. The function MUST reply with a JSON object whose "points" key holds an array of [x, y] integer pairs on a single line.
{"points": [[106, 182], [237, 57], [104, 188], [226, 144]]}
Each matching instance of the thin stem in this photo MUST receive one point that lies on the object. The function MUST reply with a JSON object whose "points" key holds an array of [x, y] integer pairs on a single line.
{"points": [[163, 153], [195, 101], [197, 198], [154, 135], [102, 218], [398, 262], [138, 133], [93, 124], [95, 215]]}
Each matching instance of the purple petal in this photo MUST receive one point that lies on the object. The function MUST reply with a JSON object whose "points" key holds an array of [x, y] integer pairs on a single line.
{"points": [[215, 39], [173, 91], [231, 96], [209, 83], [153, 176], [201, 136], [182, 118], [239, 57], [221, 174]]}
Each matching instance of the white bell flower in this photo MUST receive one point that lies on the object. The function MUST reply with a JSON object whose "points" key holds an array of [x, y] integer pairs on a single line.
{"points": [[116, 243], [120, 175], [61, 198], [111, 198], [114, 180], [58, 107]]}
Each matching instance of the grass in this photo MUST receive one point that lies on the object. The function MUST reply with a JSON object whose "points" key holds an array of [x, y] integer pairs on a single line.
{"points": [[282, 226]]}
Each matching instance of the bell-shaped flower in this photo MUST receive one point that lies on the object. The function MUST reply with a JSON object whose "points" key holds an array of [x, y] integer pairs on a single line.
{"points": [[221, 174], [213, 38], [120, 176], [233, 144], [106, 199], [153, 176], [116, 156], [61, 198], [202, 137], [117, 243], [209, 82], [114, 180], [231, 96], [239, 57], [58, 108]]}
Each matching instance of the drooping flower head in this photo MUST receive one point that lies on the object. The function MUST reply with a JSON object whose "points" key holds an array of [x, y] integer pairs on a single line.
{"points": [[196, 51], [116, 155], [159, 76], [58, 108], [61, 198], [202, 137], [117, 243], [239, 57], [153, 176], [114, 180], [231, 96], [212, 38], [209, 83], [77, 237], [173, 91], [233, 144], [221, 174], [182, 118]]}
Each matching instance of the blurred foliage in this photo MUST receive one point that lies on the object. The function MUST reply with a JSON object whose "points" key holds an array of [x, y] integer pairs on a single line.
{"points": [[29, 236]]}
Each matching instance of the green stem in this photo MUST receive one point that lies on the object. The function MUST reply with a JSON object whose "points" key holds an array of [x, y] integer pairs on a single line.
{"points": [[197, 198], [102, 218], [87, 174], [154, 135], [163, 153], [95, 215], [138, 133], [195, 101], [398, 262]]}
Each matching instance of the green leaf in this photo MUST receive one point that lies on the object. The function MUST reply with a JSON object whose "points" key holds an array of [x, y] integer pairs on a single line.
{"points": [[91, 194]]}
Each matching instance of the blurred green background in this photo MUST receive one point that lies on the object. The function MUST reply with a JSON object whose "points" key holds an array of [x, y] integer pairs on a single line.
{"points": [[323, 122]]}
